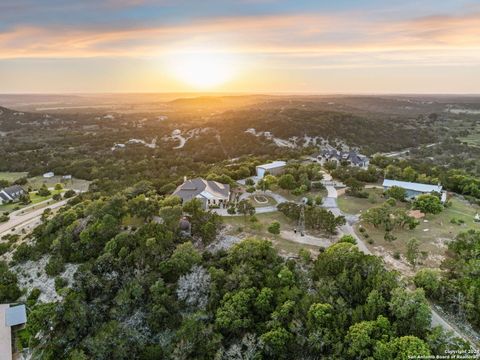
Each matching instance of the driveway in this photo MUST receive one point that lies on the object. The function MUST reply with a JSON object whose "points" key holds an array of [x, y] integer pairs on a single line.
{"points": [[259, 210]]}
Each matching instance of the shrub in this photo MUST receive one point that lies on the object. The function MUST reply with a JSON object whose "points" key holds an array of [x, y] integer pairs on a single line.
{"points": [[54, 266], [68, 194], [274, 228], [348, 239]]}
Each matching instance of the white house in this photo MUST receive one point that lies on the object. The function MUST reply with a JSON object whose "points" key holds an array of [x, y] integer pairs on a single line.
{"points": [[210, 193], [274, 168]]}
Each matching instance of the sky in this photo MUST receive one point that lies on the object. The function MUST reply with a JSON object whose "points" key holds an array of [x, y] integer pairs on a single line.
{"points": [[247, 46]]}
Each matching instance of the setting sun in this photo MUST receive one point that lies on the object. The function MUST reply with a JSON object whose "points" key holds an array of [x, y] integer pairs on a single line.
{"points": [[202, 70]]}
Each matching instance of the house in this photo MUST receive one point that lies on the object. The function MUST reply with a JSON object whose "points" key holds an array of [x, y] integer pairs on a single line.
{"points": [[352, 157], [414, 189], [274, 168], [48, 175], [210, 193], [11, 193], [12, 318]]}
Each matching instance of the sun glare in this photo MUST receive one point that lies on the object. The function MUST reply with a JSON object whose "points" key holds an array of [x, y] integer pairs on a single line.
{"points": [[203, 70]]}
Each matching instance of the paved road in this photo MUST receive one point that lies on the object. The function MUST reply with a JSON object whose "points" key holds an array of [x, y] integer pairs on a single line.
{"points": [[18, 219], [405, 151]]}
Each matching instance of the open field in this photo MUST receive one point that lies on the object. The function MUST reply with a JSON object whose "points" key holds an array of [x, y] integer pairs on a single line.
{"points": [[258, 229], [33, 197], [473, 139], [12, 176], [76, 184], [354, 205], [433, 232]]}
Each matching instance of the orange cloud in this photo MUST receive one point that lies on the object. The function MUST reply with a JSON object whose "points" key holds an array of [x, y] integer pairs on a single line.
{"points": [[430, 40]]}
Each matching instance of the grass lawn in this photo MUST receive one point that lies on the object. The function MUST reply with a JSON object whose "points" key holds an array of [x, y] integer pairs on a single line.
{"points": [[259, 230], [12, 176], [354, 205], [433, 232], [35, 200]]}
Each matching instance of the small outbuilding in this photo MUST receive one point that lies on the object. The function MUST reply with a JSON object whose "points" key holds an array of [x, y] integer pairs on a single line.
{"points": [[274, 168]]}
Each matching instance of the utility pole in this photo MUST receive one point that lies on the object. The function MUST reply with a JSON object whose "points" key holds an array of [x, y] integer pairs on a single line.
{"points": [[301, 220]]}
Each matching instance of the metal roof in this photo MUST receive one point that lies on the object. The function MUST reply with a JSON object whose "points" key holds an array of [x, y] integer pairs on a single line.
{"points": [[272, 165], [15, 315], [424, 188]]}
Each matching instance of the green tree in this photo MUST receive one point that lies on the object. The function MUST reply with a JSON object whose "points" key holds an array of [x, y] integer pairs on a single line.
{"points": [[287, 182], [397, 193], [413, 251], [428, 204], [245, 208], [9, 291], [348, 239], [274, 228], [411, 312]]}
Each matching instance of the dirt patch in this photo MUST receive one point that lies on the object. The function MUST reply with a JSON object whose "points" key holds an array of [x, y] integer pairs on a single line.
{"points": [[392, 263], [31, 275]]}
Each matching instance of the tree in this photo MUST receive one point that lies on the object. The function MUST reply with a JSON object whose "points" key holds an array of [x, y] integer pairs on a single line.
{"points": [[274, 228], [397, 193], [348, 239], [43, 191], [287, 182], [58, 186], [403, 348], [411, 312], [413, 251], [25, 199], [9, 291], [428, 279], [428, 204], [68, 194], [276, 342], [245, 208]]}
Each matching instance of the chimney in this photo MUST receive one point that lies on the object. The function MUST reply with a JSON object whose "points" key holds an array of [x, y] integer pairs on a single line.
{"points": [[185, 179]]}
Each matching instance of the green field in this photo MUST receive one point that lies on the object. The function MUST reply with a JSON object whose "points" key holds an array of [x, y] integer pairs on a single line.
{"points": [[33, 197], [259, 230], [12, 176], [354, 205], [433, 232]]}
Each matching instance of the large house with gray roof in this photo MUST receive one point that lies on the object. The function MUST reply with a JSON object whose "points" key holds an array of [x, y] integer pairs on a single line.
{"points": [[351, 157], [11, 193], [210, 193]]}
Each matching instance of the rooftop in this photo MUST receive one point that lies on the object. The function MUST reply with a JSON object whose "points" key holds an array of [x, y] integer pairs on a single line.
{"points": [[273, 165], [424, 188]]}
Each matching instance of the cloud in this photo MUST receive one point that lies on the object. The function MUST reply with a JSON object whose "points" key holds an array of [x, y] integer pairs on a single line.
{"points": [[314, 40]]}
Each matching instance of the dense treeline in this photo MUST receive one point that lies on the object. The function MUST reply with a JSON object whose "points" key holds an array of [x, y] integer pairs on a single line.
{"points": [[456, 180], [150, 295], [458, 287]]}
